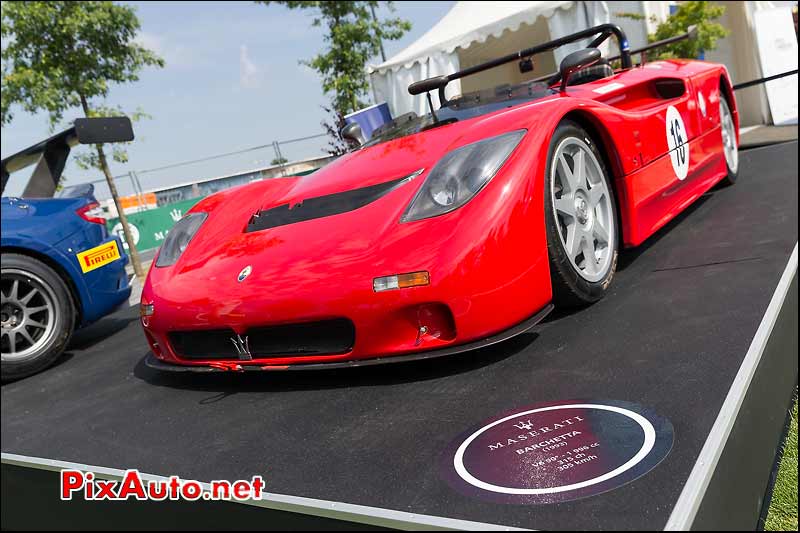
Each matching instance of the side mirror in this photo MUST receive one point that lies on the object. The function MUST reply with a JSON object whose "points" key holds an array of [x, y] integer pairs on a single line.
{"points": [[103, 130], [352, 134], [576, 61], [526, 65]]}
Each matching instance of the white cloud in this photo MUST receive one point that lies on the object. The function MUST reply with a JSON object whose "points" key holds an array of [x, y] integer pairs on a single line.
{"points": [[175, 55], [249, 74]]}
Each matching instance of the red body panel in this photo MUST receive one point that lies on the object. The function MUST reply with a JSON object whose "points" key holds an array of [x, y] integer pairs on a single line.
{"points": [[487, 260]]}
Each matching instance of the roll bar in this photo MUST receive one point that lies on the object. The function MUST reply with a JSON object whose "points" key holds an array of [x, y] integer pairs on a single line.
{"points": [[604, 31], [691, 33]]}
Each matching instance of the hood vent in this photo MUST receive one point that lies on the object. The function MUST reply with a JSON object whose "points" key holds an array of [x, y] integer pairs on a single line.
{"points": [[323, 206]]}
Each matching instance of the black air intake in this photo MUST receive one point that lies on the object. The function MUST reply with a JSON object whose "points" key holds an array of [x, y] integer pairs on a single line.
{"points": [[326, 337]]}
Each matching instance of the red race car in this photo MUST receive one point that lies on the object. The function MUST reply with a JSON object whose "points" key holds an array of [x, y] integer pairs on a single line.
{"points": [[445, 232]]}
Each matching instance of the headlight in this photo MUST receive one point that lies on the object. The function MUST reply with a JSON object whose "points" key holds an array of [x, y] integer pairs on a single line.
{"points": [[460, 174], [178, 238]]}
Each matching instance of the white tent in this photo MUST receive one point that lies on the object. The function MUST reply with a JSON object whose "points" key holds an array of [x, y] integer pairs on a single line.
{"points": [[474, 32], [744, 54]]}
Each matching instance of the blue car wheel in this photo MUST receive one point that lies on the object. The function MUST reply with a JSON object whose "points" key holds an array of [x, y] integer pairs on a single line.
{"points": [[37, 316]]}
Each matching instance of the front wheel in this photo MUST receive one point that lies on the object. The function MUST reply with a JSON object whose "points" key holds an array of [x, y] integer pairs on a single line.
{"points": [[37, 316], [581, 218]]}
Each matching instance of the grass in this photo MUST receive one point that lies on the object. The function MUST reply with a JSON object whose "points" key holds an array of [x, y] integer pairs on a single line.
{"points": [[783, 507]]}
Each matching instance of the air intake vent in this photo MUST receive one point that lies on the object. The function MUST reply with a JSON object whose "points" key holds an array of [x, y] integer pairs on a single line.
{"points": [[326, 337], [323, 206]]}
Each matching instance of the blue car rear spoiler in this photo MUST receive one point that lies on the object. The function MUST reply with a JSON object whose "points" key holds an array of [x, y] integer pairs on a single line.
{"points": [[51, 154]]}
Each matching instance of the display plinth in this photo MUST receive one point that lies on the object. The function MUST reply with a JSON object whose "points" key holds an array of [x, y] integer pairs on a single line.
{"points": [[700, 328]]}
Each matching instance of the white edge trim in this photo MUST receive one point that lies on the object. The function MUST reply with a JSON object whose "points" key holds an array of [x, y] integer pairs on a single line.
{"points": [[688, 503], [375, 516]]}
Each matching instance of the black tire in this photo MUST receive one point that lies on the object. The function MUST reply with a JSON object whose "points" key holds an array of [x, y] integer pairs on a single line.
{"points": [[63, 316], [733, 173], [570, 289]]}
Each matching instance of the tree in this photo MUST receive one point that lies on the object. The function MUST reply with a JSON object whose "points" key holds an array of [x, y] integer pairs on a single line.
{"points": [[353, 37], [332, 126], [60, 55], [278, 161], [699, 13]]}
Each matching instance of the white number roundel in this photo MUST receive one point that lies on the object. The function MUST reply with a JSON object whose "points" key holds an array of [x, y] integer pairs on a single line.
{"points": [[677, 140]]}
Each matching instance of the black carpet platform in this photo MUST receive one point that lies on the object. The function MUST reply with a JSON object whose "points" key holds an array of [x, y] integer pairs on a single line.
{"points": [[674, 334]]}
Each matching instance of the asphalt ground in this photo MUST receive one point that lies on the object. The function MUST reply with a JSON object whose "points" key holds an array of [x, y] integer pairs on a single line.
{"points": [[670, 335]]}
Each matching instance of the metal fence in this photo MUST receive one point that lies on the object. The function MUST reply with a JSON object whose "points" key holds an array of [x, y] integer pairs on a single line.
{"points": [[237, 165]]}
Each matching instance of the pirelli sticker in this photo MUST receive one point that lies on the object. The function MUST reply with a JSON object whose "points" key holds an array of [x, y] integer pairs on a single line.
{"points": [[98, 256]]}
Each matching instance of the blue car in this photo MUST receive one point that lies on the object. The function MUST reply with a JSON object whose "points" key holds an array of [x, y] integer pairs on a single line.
{"points": [[61, 270]]}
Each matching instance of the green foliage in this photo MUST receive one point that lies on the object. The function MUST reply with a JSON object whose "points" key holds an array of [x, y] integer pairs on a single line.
{"points": [[353, 37], [702, 14], [55, 53], [89, 158], [279, 161], [782, 514], [699, 13], [332, 125]]}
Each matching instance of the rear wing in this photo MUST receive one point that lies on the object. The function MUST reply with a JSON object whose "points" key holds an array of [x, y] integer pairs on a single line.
{"points": [[50, 155]]}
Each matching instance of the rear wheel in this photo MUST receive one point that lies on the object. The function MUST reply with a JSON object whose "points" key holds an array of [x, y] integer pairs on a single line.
{"points": [[37, 316], [581, 218], [729, 146]]}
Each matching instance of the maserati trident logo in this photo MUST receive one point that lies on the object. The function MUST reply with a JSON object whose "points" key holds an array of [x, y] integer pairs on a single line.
{"points": [[242, 346], [244, 273], [524, 425]]}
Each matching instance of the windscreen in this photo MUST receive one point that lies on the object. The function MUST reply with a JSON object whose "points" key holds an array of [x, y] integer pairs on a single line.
{"points": [[462, 107]]}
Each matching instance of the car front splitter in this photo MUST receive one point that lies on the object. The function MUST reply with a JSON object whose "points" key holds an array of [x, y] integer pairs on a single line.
{"points": [[232, 366]]}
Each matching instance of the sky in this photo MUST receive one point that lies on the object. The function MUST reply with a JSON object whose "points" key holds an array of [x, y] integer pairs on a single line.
{"points": [[232, 80]]}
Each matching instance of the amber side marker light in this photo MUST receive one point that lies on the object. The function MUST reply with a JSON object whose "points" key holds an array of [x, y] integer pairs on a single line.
{"points": [[401, 281]]}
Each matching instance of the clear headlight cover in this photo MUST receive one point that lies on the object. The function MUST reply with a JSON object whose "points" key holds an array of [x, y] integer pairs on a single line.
{"points": [[460, 175], [178, 238]]}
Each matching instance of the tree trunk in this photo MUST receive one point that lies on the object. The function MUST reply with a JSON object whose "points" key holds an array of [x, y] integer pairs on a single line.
{"points": [[126, 230], [378, 35]]}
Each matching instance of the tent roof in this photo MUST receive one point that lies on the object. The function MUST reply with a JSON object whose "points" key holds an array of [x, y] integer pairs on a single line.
{"points": [[469, 22]]}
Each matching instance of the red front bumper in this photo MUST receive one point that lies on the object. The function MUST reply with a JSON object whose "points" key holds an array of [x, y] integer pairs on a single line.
{"points": [[239, 366]]}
